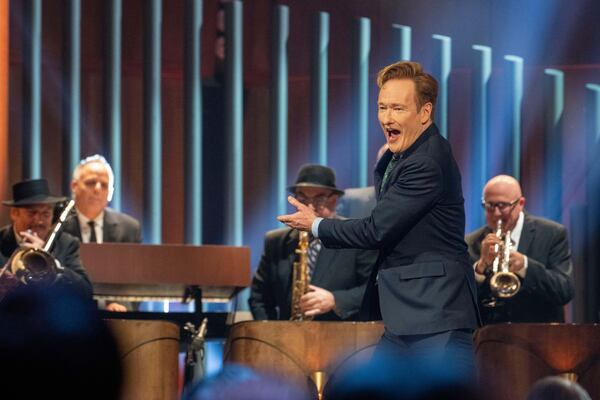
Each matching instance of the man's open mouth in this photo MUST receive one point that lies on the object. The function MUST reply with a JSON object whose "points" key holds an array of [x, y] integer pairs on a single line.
{"points": [[392, 133]]}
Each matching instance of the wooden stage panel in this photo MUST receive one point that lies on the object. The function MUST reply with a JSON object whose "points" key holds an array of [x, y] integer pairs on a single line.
{"points": [[149, 355], [294, 350], [511, 357]]}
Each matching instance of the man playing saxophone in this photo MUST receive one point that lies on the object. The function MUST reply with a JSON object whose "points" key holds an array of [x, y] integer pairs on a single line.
{"points": [[32, 210], [539, 256], [337, 276]]}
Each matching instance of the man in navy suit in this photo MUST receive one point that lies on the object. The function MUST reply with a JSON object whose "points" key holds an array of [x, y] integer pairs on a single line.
{"points": [[423, 279], [540, 258]]}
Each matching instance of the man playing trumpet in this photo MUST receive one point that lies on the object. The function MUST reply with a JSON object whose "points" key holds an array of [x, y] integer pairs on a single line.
{"points": [[539, 256], [32, 210]]}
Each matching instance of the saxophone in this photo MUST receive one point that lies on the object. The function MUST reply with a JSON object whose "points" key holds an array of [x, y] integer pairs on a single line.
{"points": [[300, 278]]}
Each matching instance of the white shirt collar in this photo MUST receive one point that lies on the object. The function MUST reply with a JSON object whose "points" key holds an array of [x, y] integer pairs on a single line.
{"points": [[85, 228]]}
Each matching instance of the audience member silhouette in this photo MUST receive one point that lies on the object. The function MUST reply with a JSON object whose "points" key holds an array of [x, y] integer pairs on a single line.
{"points": [[237, 382], [557, 388], [54, 345]]}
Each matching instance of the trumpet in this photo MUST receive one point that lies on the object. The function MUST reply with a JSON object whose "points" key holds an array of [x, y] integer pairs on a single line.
{"points": [[503, 283]]}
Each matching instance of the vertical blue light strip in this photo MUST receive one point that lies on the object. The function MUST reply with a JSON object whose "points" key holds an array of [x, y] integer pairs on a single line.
{"points": [[113, 97], [553, 160], [442, 71], [402, 38], [591, 224], [515, 77], [279, 117], [234, 127], [481, 131], [152, 122], [594, 121], [320, 70], [193, 123], [360, 96], [32, 89], [72, 95]]}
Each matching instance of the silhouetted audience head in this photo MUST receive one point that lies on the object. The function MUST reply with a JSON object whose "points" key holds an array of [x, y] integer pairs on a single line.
{"points": [[53, 344], [557, 388], [403, 377], [237, 382]]}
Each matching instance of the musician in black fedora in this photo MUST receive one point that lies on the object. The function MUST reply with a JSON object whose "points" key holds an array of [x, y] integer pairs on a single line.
{"points": [[338, 276], [31, 212]]}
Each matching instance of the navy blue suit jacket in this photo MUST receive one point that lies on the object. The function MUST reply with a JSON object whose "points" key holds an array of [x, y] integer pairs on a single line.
{"points": [[423, 281]]}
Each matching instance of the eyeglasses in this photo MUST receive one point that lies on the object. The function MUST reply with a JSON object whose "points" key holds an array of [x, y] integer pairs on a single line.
{"points": [[317, 201], [502, 206]]}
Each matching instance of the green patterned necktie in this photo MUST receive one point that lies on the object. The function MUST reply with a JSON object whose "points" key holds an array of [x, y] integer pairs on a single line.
{"points": [[389, 169]]}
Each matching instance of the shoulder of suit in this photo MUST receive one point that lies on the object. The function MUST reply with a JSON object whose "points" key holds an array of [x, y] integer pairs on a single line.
{"points": [[543, 223], [120, 216], [66, 238], [278, 233], [5, 230], [475, 235], [358, 192]]}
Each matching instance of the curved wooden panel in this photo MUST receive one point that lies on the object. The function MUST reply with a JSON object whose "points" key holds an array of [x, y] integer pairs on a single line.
{"points": [[511, 357], [294, 350], [149, 354]]}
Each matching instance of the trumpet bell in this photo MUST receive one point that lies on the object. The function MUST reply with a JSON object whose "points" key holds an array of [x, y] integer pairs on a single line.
{"points": [[32, 266], [505, 284]]}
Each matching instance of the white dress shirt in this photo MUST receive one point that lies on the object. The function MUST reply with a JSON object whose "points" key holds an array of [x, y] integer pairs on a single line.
{"points": [[85, 228]]}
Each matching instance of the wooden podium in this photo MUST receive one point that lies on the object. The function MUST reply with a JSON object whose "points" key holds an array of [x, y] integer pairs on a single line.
{"points": [[511, 357], [143, 272], [300, 351]]}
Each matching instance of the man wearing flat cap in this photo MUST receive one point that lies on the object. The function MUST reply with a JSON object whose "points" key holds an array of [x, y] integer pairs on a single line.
{"points": [[32, 209], [338, 276]]}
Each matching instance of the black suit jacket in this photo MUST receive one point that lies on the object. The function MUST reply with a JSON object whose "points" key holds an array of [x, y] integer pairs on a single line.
{"points": [[117, 227], [342, 272], [423, 281], [548, 283], [65, 250]]}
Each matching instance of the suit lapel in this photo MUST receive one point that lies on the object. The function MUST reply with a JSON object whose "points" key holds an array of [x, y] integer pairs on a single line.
{"points": [[8, 243], [286, 268], [527, 235], [109, 227], [324, 261], [72, 224], [380, 170]]}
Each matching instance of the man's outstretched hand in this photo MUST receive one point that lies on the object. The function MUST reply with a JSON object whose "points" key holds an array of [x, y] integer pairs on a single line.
{"points": [[302, 219]]}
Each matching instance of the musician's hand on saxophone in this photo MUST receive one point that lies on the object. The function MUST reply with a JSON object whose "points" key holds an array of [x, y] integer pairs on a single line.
{"points": [[316, 301]]}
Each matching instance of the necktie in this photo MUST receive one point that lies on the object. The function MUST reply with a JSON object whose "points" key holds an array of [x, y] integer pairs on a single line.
{"points": [[389, 169], [313, 252], [92, 231]]}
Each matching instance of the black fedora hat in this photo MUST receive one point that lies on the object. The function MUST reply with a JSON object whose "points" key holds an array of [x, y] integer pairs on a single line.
{"points": [[32, 191], [314, 175]]}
